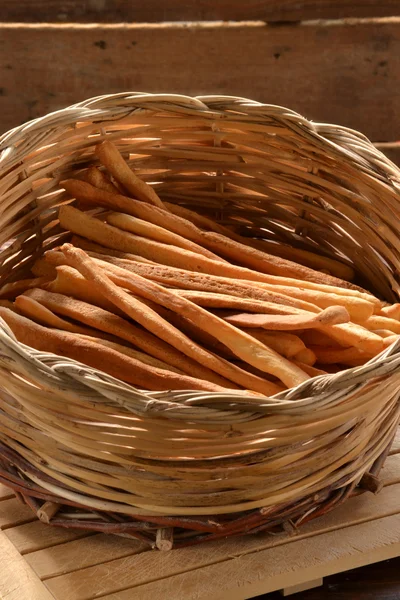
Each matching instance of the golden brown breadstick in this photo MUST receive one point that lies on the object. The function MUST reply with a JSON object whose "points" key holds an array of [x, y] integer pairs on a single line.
{"points": [[97, 356], [104, 321], [341, 356], [306, 357], [84, 225], [392, 311], [100, 180], [284, 343], [241, 344], [42, 268], [330, 316], [110, 157], [377, 322], [304, 257], [9, 291], [384, 333], [351, 334], [154, 232], [310, 370], [315, 337], [84, 244]]}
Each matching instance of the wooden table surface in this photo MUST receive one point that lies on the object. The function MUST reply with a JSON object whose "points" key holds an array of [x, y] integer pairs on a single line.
{"points": [[39, 562]]}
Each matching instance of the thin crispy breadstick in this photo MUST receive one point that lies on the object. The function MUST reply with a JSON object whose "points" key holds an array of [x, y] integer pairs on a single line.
{"points": [[84, 244], [304, 257], [42, 268], [330, 316], [191, 280], [154, 232], [116, 165], [351, 334], [377, 322], [100, 180], [284, 343], [241, 344], [82, 224], [10, 305], [104, 321], [9, 291], [392, 311], [306, 357], [97, 356], [31, 308], [384, 333], [310, 370], [341, 356], [315, 337]]}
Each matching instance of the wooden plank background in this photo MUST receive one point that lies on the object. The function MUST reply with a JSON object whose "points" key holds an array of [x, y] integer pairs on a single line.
{"points": [[339, 72], [116, 11]]}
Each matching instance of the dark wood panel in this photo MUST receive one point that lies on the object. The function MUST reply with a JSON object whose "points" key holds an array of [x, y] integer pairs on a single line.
{"points": [[345, 74], [115, 11], [392, 151]]}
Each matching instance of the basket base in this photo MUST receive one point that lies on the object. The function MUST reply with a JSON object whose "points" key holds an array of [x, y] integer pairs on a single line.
{"points": [[76, 564]]}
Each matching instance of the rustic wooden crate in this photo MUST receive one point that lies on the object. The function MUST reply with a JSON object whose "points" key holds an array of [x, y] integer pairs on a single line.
{"points": [[39, 562], [331, 60]]}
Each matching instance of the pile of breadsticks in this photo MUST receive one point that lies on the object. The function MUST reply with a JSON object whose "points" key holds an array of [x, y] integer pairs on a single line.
{"points": [[164, 298]]}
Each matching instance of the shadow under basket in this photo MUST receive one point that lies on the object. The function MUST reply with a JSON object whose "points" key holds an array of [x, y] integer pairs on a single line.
{"points": [[176, 468]]}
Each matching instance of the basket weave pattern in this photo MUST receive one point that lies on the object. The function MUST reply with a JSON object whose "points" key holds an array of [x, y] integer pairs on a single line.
{"points": [[86, 450]]}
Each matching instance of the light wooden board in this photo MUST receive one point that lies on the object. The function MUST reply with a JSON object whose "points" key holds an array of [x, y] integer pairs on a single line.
{"points": [[74, 565], [192, 10], [339, 72]]}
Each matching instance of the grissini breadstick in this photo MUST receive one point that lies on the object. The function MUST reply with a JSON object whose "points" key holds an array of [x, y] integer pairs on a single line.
{"points": [[351, 334], [304, 257], [384, 333], [392, 311], [306, 357], [66, 344], [110, 157], [328, 356], [222, 245], [84, 225], [31, 308], [100, 180], [42, 268], [315, 337], [310, 370], [329, 316], [242, 345], [157, 233], [284, 343], [10, 290], [98, 318], [84, 244], [378, 322], [191, 280]]}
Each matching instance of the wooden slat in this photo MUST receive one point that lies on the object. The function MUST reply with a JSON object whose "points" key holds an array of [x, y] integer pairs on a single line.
{"points": [[285, 566], [192, 10], [392, 151], [395, 448], [138, 570], [390, 473], [340, 73], [36, 536], [80, 554], [13, 512], [5, 492], [17, 580]]}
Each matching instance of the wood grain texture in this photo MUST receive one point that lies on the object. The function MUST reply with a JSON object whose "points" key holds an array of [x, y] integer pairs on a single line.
{"points": [[34, 536], [13, 512], [73, 556], [5, 493], [290, 564], [340, 73], [132, 571], [17, 580], [117, 11]]}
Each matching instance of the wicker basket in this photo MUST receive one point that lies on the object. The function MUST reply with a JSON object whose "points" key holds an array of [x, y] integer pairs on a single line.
{"points": [[87, 451]]}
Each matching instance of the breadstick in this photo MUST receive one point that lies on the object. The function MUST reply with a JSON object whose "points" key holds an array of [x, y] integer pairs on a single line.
{"points": [[9, 291], [342, 356], [306, 356], [351, 334], [31, 308], [304, 257], [107, 235], [192, 280], [110, 323], [310, 370], [330, 316], [286, 344], [315, 337], [392, 311], [384, 333], [110, 157], [42, 268], [377, 322], [80, 242], [154, 232], [100, 180], [107, 360], [241, 344]]}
